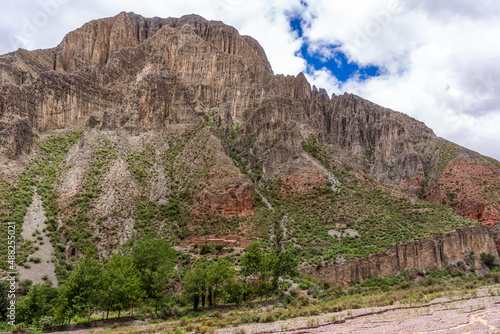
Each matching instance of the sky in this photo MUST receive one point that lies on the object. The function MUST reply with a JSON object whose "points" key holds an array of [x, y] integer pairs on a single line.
{"points": [[435, 60]]}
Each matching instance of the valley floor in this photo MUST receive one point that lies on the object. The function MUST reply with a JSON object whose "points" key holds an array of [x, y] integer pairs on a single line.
{"points": [[479, 313]]}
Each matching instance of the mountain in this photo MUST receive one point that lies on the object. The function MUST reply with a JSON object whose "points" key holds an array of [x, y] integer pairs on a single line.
{"points": [[178, 128]]}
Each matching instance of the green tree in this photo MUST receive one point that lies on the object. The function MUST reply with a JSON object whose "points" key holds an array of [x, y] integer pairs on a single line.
{"points": [[251, 261], [255, 263], [195, 284], [220, 274], [233, 291], [269, 267], [80, 294], [36, 304], [286, 264], [120, 285], [155, 260], [266, 284]]}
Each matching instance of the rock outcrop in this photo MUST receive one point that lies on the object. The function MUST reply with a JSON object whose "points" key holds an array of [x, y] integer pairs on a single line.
{"points": [[471, 184], [463, 244]]}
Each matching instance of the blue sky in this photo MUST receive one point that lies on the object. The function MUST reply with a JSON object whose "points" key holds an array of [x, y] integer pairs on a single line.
{"points": [[434, 60], [331, 57]]}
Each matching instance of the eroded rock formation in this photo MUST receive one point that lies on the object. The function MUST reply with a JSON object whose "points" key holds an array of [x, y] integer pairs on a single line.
{"points": [[463, 244], [140, 82]]}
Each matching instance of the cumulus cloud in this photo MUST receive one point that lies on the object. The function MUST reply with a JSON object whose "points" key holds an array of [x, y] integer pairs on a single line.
{"points": [[440, 61], [439, 58]]}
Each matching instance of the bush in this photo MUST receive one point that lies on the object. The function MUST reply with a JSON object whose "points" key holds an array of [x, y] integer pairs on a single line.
{"points": [[46, 322], [215, 314], [35, 259], [493, 276], [207, 330], [267, 317], [169, 312], [205, 249], [302, 300], [239, 331], [314, 311], [488, 260]]}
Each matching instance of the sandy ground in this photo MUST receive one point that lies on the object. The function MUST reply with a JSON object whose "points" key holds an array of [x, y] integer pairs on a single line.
{"points": [[34, 220]]}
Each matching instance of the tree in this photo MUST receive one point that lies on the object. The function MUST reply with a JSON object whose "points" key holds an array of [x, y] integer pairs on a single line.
{"points": [[267, 286], [269, 268], [220, 274], [251, 261], [36, 304], [286, 265], [211, 281], [233, 291], [80, 294], [155, 260], [120, 285], [195, 284]]}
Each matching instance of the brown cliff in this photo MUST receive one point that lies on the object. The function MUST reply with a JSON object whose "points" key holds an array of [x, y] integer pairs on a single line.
{"points": [[194, 108], [463, 244]]}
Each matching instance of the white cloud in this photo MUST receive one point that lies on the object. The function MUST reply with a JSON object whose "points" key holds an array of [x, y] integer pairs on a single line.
{"points": [[440, 57], [441, 61]]}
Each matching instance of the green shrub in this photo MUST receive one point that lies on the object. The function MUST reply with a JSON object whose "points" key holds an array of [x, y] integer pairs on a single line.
{"points": [[46, 321], [267, 317], [302, 300], [488, 260], [207, 330], [35, 259], [205, 249]]}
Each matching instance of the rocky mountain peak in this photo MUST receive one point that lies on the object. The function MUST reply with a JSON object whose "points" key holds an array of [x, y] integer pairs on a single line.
{"points": [[96, 41]]}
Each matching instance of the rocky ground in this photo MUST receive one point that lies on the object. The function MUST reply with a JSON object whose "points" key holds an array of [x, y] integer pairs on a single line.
{"points": [[43, 269]]}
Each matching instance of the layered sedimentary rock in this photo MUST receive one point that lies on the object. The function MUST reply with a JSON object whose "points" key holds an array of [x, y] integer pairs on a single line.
{"points": [[464, 244]]}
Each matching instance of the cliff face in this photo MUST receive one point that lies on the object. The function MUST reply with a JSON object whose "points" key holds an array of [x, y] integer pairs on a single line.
{"points": [[188, 114], [464, 244], [149, 72]]}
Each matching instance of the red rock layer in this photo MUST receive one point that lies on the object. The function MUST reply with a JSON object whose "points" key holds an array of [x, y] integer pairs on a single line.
{"points": [[303, 180], [472, 187], [238, 200]]}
